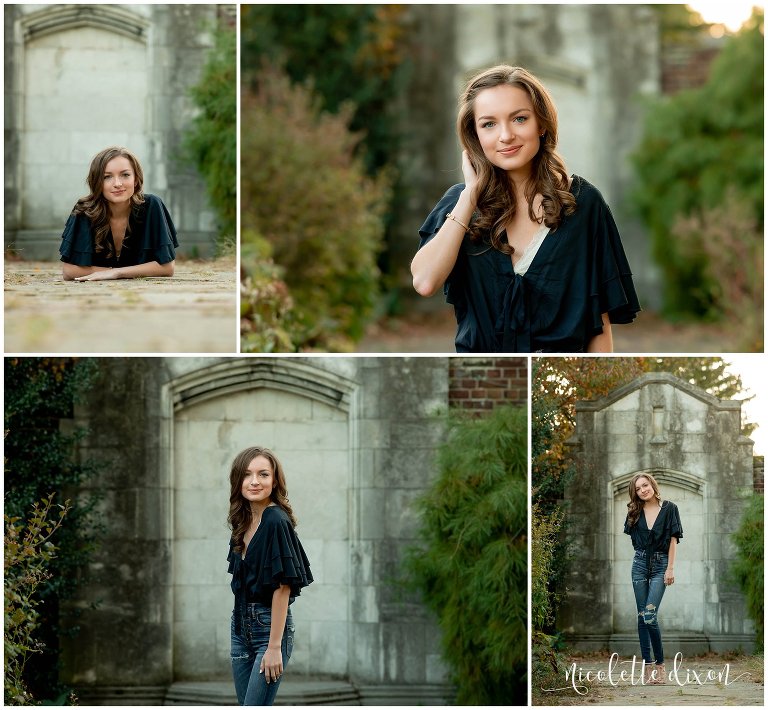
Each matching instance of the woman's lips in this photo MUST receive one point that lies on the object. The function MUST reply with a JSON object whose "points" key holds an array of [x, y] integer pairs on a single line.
{"points": [[510, 151]]}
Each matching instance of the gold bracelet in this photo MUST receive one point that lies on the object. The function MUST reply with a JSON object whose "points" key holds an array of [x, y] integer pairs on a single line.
{"points": [[450, 216]]}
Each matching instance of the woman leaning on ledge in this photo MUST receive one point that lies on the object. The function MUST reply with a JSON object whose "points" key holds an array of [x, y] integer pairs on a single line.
{"points": [[117, 231]]}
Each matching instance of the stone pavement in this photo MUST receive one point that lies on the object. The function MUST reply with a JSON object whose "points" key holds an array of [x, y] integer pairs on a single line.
{"points": [[193, 311], [732, 681]]}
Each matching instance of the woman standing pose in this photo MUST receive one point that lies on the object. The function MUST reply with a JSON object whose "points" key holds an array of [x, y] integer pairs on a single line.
{"points": [[655, 528], [269, 568], [116, 231], [530, 259]]}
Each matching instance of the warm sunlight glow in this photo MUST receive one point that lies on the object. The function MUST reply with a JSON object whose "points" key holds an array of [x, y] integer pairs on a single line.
{"points": [[732, 14]]}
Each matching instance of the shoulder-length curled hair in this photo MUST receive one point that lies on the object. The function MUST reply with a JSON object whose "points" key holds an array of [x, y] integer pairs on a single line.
{"points": [[635, 505], [240, 517], [94, 206], [495, 202]]}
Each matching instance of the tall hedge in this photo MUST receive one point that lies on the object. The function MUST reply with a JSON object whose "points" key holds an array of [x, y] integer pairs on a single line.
{"points": [[749, 566], [703, 149], [306, 192], [39, 393], [472, 564], [211, 139]]}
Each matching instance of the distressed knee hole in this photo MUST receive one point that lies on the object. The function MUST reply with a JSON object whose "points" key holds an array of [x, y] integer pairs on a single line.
{"points": [[240, 657], [648, 615]]}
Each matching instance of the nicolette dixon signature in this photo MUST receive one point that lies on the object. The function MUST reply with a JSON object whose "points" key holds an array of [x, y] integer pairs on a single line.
{"points": [[632, 672]]}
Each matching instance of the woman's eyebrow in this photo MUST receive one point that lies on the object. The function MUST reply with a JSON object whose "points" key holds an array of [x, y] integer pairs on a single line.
{"points": [[514, 113]]}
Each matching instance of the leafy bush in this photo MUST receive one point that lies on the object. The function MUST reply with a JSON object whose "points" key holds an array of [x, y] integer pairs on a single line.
{"points": [[697, 145], [28, 552], [749, 566], [39, 394], [211, 139], [304, 190], [472, 568], [728, 244], [265, 305]]}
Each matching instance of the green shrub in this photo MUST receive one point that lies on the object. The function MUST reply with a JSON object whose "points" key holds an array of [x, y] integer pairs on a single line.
{"points": [[544, 541], [304, 190], [727, 243], [749, 566], [472, 566], [211, 139], [265, 305], [698, 144], [41, 393], [28, 552]]}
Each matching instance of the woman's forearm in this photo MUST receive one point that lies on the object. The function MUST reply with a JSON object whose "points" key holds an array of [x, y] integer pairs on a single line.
{"points": [[434, 262], [602, 342], [280, 599], [150, 268], [672, 553], [73, 271]]}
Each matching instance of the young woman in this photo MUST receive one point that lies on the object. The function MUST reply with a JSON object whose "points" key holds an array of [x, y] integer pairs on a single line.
{"points": [[655, 528], [268, 568], [116, 231], [530, 259]]}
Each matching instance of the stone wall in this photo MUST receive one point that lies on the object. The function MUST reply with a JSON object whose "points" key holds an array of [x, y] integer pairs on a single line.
{"points": [[357, 438], [692, 443], [80, 78]]}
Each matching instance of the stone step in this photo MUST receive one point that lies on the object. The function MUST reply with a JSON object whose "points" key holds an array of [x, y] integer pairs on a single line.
{"points": [[293, 691]]}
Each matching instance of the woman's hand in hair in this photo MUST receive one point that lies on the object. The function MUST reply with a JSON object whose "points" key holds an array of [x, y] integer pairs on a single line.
{"points": [[470, 176]]}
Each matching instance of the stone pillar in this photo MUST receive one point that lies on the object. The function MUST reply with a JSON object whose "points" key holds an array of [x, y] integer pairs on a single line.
{"points": [[125, 611]]}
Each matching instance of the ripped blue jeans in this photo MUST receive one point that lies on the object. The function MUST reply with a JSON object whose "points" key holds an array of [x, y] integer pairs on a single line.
{"points": [[648, 585], [248, 648]]}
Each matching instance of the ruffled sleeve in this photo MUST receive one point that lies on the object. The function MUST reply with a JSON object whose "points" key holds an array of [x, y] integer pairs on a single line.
{"points": [[674, 525], [158, 240], [77, 241], [612, 289], [627, 529], [274, 557], [437, 216]]}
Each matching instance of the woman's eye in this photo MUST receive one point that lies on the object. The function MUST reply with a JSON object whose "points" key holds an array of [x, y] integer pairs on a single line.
{"points": [[521, 119], [487, 124]]}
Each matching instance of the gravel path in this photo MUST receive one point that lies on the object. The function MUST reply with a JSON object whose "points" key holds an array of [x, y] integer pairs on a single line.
{"points": [[193, 311]]}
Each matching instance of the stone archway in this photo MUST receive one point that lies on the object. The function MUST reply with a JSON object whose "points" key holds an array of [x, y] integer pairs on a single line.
{"points": [[303, 415], [71, 57], [681, 601]]}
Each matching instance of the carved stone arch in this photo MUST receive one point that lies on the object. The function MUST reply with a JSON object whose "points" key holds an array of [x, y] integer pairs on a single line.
{"points": [[307, 412], [247, 373], [59, 18]]}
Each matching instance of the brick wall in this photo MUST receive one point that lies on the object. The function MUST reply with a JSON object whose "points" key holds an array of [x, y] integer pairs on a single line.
{"points": [[686, 66], [480, 384], [758, 474]]}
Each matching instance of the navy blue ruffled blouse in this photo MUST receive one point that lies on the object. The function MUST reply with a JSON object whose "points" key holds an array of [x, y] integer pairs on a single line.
{"points": [[274, 556], [151, 236], [657, 539], [579, 272]]}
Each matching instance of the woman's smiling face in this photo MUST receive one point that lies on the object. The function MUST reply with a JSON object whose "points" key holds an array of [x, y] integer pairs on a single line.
{"points": [[644, 489], [259, 480], [507, 128], [119, 180]]}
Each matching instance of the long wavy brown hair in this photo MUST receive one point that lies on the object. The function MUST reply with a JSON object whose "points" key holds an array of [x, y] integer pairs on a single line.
{"points": [[635, 505], [95, 207], [240, 517], [549, 178]]}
